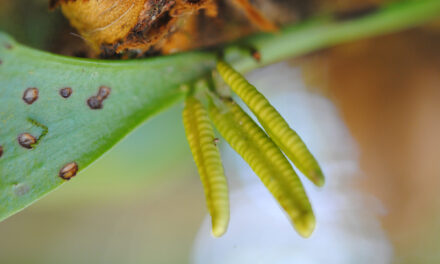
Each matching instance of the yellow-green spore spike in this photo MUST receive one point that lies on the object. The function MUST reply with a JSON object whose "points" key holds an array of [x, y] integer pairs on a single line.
{"points": [[274, 124], [267, 161], [201, 139]]}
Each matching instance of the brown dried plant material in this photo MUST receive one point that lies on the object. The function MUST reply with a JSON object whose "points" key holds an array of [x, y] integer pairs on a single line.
{"points": [[255, 16], [158, 22], [105, 21], [184, 39], [113, 26]]}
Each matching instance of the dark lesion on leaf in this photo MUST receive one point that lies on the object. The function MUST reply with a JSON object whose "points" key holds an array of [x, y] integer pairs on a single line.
{"points": [[68, 171], [104, 92], [95, 101], [29, 141], [1, 151], [30, 95], [26, 140], [66, 92]]}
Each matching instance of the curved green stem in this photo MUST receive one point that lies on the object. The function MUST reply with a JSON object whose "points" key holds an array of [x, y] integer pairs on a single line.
{"points": [[327, 31]]}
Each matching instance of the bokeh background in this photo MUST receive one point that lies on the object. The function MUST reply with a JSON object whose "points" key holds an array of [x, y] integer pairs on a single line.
{"points": [[368, 109]]}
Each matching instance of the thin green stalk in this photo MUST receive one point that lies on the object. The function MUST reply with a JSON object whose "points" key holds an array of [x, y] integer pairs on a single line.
{"points": [[324, 32]]}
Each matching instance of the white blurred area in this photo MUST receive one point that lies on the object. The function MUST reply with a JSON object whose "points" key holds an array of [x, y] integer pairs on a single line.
{"points": [[348, 220]]}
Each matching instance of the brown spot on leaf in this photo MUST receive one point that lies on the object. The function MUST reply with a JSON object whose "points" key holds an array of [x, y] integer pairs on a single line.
{"points": [[1, 151], [104, 92], [66, 92], [94, 103], [8, 46], [26, 140], [69, 170], [30, 95]]}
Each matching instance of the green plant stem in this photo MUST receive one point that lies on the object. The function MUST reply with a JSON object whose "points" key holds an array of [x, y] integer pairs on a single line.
{"points": [[326, 32]]}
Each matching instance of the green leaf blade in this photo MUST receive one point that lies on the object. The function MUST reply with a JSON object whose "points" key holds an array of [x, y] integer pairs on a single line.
{"points": [[76, 133]]}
